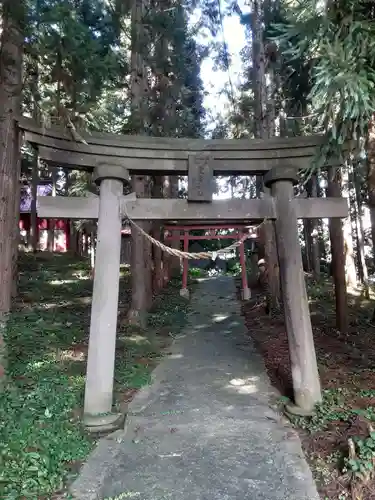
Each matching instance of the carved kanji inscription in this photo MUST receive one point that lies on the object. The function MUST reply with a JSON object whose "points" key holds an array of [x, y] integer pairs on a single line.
{"points": [[201, 175]]}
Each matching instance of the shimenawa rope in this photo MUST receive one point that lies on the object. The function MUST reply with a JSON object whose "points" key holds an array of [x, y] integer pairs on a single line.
{"points": [[189, 255]]}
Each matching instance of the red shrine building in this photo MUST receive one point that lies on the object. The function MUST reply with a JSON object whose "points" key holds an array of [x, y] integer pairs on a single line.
{"points": [[60, 228]]}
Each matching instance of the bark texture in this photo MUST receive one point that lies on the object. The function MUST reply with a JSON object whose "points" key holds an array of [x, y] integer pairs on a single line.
{"points": [[371, 177], [313, 225], [139, 267], [141, 250], [10, 98], [359, 230], [264, 128], [157, 277], [338, 255], [11, 47]]}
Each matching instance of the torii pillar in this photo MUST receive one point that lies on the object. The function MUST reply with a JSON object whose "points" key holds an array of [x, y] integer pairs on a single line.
{"points": [[306, 383], [103, 326]]}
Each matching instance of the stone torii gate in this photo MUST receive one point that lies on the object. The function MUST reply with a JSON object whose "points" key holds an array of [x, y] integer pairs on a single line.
{"points": [[113, 159]]}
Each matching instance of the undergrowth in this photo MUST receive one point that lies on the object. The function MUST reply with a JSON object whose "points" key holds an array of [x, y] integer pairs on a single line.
{"points": [[346, 363], [333, 408], [356, 459], [42, 441]]}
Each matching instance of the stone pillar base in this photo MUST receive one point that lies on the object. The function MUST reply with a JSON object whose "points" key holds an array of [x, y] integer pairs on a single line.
{"points": [[103, 423], [246, 294], [184, 292], [295, 410]]}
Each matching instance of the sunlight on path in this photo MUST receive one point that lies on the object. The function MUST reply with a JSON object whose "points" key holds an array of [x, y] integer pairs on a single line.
{"points": [[205, 428]]}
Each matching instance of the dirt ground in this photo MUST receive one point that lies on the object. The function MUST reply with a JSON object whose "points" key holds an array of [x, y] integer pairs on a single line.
{"points": [[347, 370]]}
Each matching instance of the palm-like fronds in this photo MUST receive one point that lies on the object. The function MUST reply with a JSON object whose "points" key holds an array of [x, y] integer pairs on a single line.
{"points": [[341, 41]]}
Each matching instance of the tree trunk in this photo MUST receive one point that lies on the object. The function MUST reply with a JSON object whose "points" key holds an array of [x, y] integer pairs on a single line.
{"points": [[137, 314], [359, 254], [79, 242], [16, 220], [11, 48], [322, 240], [371, 178], [84, 242], [172, 264], [92, 246], [10, 98], [259, 77], [308, 245], [141, 266], [168, 261], [338, 254], [33, 212], [34, 240], [175, 265], [262, 131], [157, 278], [52, 222], [312, 191], [73, 240], [165, 92], [350, 269], [50, 234], [371, 184], [166, 256], [357, 206], [147, 245]]}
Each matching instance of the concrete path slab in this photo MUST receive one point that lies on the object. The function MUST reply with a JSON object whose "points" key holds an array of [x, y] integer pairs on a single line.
{"points": [[205, 429]]}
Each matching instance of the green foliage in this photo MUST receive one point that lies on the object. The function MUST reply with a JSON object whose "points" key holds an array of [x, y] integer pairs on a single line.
{"points": [[364, 462], [40, 435], [196, 272], [333, 408], [71, 52], [176, 103], [234, 267], [42, 441], [77, 62], [339, 43], [77, 69], [169, 308]]}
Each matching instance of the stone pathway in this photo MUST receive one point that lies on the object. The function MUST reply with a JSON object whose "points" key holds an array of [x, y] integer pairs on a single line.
{"points": [[205, 428]]}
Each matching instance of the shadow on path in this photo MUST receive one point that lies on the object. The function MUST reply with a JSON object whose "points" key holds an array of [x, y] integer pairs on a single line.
{"points": [[205, 428]]}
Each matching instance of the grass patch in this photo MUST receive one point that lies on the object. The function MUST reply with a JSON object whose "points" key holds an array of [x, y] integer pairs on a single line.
{"points": [[42, 441]]}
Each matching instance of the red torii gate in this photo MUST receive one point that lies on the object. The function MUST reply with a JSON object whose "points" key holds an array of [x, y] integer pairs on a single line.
{"points": [[238, 232]]}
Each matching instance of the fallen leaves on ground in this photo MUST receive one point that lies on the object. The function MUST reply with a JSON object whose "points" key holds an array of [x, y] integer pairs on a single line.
{"points": [[347, 370]]}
